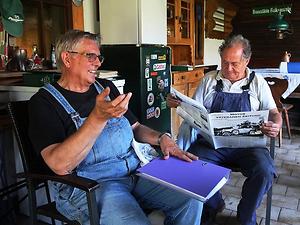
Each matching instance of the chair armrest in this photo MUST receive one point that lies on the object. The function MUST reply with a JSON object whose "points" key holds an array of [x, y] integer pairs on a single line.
{"points": [[85, 184]]}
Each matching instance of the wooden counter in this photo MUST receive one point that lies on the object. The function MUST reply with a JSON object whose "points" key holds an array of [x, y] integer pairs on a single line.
{"points": [[11, 88]]}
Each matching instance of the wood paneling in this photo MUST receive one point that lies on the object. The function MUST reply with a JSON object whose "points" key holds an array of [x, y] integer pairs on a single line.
{"points": [[229, 12], [44, 21], [267, 50]]}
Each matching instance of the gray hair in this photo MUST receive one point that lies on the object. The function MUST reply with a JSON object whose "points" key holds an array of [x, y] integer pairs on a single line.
{"points": [[70, 40], [237, 39]]}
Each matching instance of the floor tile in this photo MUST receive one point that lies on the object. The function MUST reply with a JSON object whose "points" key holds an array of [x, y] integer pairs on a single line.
{"points": [[293, 192], [288, 180], [289, 216]]}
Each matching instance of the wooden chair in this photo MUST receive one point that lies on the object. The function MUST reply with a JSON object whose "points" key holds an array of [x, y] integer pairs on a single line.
{"points": [[278, 87], [37, 174], [210, 68], [235, 168]]}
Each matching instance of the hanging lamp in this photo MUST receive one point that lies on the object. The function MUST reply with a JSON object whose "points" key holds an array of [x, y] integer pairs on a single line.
{"points": [[279, 25]]}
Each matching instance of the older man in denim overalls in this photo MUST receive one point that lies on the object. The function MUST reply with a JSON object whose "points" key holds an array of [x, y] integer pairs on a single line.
{"points": [[81, 125], [235, 89]]}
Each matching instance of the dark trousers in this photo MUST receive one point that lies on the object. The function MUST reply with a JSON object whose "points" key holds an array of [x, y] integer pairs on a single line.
{"points": [[255, 164]]}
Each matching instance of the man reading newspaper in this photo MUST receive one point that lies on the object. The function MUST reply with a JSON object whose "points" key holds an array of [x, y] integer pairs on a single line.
{"points": [[235, 89]]}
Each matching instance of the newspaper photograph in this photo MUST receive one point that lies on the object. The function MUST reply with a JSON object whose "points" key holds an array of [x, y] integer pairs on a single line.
{"points": [[229, 129]]}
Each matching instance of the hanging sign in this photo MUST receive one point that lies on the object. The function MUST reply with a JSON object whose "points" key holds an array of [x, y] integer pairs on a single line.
{"points": [[272, 10]]}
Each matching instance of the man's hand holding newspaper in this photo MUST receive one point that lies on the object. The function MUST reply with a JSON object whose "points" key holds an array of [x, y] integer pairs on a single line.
{"points": [[229, 129]]}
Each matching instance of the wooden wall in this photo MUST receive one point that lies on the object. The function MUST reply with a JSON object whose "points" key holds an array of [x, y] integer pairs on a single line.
{"points": [[267, 50]]}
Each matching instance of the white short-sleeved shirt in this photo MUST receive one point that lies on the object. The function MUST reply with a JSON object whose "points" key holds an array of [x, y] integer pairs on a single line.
{"points": [[260, 94]]}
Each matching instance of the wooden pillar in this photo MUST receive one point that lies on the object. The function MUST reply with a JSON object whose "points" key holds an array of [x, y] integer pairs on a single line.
{"points": [[77, 17]]}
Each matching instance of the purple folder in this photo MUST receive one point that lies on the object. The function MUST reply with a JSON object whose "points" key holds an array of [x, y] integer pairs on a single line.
{"points": [[198, 179]]}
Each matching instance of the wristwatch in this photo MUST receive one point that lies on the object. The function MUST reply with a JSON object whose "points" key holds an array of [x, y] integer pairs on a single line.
{"points": [[161, 135]]}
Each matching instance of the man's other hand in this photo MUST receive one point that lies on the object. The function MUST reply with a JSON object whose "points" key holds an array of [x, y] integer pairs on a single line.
{"points": [[270, 129], [170, 148], [116, 108], [172, 101]]}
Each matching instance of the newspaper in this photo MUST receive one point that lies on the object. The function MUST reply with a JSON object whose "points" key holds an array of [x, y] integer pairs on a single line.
{"points": [[144, 151], [229, 129]]}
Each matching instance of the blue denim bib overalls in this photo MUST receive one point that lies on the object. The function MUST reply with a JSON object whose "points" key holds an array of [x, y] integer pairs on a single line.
{"points": [[255, 163], [231, 102], [111, 156]]}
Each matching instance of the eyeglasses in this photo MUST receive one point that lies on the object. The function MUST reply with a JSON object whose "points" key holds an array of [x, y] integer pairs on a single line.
{"points": [[235, 65], [91, 57]]}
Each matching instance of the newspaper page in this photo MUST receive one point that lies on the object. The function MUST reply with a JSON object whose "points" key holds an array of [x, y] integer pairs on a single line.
{"points": [[238, 129], [230, 129]]}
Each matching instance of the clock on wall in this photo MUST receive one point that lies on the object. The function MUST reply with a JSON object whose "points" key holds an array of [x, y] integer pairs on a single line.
{"points": [[77, 2]]}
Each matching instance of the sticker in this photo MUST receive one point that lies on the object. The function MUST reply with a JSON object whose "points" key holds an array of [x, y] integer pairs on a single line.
{"points": [[150, 99], [160, 85], [149, 84], [157, 112], [150, 113], [162, 98], [159, 66], [146, 72], [163, 105], [162, 57], [166, 82], [154, 74], [154, 56], [147, 60]]}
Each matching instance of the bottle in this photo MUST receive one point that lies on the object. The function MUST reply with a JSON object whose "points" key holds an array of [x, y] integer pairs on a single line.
{"points": [[52, 57], [34, 51], [286, 56], [35, 56]]}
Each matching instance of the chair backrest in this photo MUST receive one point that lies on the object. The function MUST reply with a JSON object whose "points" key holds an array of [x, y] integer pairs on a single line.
{"points": [[32, 162], [278, 87], [38, 172], [210, 68]]}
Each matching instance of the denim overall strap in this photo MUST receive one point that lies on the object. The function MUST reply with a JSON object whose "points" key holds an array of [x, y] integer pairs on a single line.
{"points": [[100, 88], [98, 164], [231, 102], [251, 77], [219, 86], [64, 103], [61, 99]]}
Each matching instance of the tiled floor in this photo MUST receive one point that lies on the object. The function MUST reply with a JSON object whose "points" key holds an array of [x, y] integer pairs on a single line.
{"points": [[286, 189]]}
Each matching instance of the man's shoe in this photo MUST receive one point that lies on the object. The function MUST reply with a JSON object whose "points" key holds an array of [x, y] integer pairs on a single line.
{"points": [[221, 206], [238, 217], [209, 214]]}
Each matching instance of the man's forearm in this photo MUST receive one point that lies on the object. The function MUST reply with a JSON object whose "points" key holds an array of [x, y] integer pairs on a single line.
{"points": [[275, 117], [145, 134]]}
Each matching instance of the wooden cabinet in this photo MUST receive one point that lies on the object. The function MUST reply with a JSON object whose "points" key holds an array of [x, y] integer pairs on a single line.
{"points": [[179, 21], [180, 30], [186, 83], [185, 31]]}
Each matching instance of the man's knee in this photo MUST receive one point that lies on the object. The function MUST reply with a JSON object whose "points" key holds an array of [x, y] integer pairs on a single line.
{"points": [[265, 171]]}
